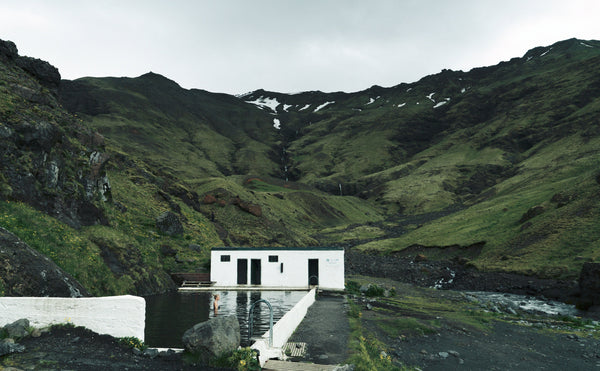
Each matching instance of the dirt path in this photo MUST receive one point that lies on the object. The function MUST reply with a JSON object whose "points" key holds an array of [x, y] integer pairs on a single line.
{"points": [[325, 329]]}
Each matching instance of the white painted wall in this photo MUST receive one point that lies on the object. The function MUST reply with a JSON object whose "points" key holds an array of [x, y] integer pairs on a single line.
{"points": [[295, 267], [118, 316], [283, 329]]}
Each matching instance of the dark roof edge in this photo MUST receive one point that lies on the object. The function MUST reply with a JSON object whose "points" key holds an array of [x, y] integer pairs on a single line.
{"points": [[276, 248]]}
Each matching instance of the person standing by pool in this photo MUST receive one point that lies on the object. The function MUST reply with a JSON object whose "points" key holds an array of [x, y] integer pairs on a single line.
{"points": [[216, 303]]}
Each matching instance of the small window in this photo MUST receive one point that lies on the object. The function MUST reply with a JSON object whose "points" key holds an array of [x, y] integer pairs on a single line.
{"points": [[273, 258], [225, 258]]}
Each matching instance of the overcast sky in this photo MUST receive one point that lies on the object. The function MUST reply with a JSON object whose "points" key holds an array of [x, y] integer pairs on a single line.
{"points": [[236, 46]]}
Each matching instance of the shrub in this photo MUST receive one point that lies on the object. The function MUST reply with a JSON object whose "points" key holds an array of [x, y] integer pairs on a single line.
{"points": [[132, 342], [242, 359], [353, 287], [374, 290]]}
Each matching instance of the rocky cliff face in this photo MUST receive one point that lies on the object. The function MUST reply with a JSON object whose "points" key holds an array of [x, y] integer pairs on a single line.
{"points": [[48, 159]]}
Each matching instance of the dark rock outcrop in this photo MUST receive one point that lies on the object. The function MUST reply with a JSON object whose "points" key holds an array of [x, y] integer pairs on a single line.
{"points": [[213, 338], [248, 207], [8, 346], [26, 272], [43, 71], [169, 223], [589, 284], [8, 50], [47, 158], [532, 213]]}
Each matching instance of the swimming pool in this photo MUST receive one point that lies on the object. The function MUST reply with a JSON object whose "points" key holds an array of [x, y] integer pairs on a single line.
{"points": [[169, 315]]}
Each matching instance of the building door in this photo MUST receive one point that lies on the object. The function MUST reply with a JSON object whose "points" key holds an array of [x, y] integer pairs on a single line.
{"points": [[242, 271], [313, 272], [255, 272]]}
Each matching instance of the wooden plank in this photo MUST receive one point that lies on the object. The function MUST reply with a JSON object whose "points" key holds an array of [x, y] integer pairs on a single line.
{"points": [[276, 365]]}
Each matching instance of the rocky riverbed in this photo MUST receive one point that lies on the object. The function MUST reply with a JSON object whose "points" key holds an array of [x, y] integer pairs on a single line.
{"points": [[453, 330], [452, 275]]}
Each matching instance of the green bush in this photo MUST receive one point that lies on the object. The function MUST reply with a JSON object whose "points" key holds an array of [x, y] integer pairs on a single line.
{"points": [[374, 290], [353, 287], [242, 359], [132, 342]]}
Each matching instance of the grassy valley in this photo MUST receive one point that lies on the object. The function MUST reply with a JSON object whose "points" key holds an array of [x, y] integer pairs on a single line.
{"points": [[504, 157]]}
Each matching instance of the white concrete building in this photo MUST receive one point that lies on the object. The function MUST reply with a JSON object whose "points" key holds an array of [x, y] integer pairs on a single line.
{"points": [[277, 267]]}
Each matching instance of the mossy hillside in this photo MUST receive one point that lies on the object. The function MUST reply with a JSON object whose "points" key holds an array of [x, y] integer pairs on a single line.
{"points": [[496, 149], [127, 256], [187, 154], [144, 202], [63, 245], [191, 132], [289, 216], [555, 243]]}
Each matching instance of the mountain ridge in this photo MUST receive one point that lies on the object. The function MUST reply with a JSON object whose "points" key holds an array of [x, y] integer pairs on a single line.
{"points": [[501, 157]]}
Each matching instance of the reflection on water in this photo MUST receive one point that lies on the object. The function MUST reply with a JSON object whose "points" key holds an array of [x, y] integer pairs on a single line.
{"points": [[169, 315]]}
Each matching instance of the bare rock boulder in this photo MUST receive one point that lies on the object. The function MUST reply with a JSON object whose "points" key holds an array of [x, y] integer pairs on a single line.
{"points": [[17, 329], [213, 338]]}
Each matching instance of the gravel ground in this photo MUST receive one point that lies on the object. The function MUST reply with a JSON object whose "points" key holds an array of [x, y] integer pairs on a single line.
{"points": [[506, 347], [325, 329], [77, 348]]}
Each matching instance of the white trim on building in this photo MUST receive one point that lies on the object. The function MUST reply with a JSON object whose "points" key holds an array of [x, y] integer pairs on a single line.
{"points": [[277, 267]]}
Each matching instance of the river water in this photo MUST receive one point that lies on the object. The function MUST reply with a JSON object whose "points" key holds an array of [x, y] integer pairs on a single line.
{"points": [[525, 303], [169, 315]]}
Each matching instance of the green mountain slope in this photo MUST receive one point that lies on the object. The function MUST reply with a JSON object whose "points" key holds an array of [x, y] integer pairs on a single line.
{"points": [[500, 163], [510, 138]]}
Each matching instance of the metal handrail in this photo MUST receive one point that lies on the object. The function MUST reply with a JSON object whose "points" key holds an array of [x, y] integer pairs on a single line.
{"points": [[250, 320]]}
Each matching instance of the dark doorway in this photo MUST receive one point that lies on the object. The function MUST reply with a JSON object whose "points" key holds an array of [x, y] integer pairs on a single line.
{"points": [[313, 272], [255, 272], [242, 271]]}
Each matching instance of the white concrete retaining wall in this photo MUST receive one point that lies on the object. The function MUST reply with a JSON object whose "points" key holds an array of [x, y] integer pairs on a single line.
{"points": [[118, 316], [283, 329]]}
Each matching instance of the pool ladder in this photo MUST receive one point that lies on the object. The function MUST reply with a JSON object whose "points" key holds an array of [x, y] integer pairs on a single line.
{"points": [[250, 321]]}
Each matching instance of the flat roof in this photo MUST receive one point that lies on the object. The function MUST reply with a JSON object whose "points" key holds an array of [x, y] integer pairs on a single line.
{"points": [[323, 248]]}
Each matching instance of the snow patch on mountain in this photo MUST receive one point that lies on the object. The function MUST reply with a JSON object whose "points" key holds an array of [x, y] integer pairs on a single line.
{"points": [[371, 100], [441, 103], [265, 102], [276, 124], [586, 45], [305, 107], [323, 106], [430, 97], [402, 105], [286, 107]]}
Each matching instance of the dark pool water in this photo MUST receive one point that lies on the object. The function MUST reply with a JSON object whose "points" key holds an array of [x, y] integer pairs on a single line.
{"points": [[169, 315]]}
